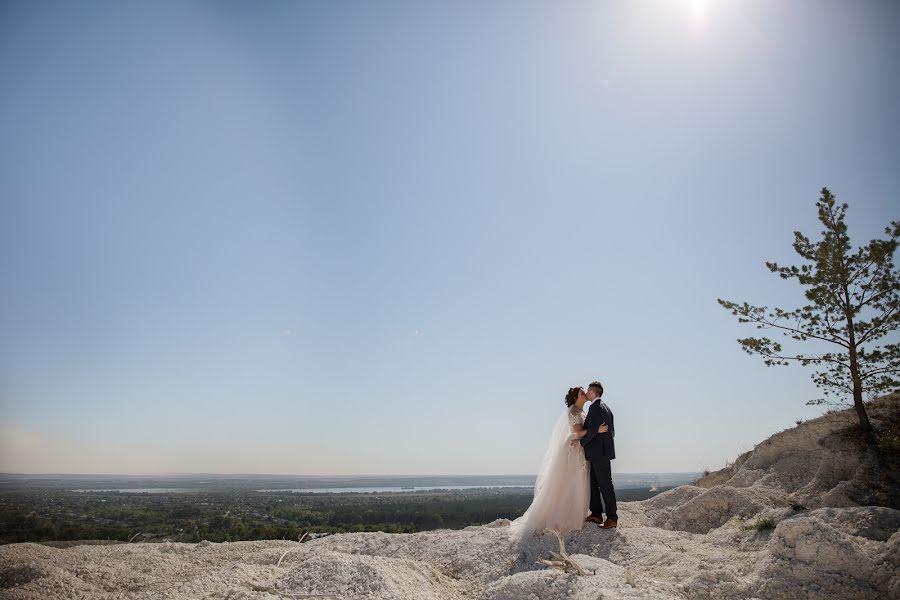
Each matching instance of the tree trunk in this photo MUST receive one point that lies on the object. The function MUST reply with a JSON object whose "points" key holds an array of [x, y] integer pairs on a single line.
{"points": [[864, 422], [861, 413]]}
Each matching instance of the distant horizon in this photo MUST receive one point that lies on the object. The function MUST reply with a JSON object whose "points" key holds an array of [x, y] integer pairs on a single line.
{"points": [[383, 475]]}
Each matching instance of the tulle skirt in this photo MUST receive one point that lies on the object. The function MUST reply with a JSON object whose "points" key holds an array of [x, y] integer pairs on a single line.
{"points": [[562, 501]]}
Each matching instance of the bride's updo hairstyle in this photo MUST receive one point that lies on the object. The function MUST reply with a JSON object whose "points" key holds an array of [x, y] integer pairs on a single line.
{"points": [[572, 395]]}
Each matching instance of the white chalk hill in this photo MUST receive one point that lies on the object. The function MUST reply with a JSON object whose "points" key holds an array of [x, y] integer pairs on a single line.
{"points": [[809, 513]]}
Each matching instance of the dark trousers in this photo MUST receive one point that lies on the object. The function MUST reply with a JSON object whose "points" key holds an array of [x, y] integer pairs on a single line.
{"points": [[602, 492]]}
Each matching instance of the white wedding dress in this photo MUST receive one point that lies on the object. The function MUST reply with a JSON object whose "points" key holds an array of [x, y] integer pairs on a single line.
{"points": [[562, 489]]}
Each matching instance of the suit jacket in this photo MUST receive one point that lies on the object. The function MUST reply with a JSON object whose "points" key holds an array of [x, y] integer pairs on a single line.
{"points": [[599, 445]]}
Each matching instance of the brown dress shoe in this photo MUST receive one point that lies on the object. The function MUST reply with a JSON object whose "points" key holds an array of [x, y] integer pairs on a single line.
{"points": [[594, 519], [609, 524]]}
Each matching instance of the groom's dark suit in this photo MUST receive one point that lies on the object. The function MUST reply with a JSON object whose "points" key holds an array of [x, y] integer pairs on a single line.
{"points": [[600, 448]]}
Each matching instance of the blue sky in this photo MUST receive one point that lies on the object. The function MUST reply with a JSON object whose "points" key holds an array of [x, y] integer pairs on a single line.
{"points": [[353, 238]]}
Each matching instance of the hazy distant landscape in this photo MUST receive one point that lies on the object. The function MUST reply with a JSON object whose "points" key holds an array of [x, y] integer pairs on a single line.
{"points": [[779, 519], [212, 481], [194, 507]]}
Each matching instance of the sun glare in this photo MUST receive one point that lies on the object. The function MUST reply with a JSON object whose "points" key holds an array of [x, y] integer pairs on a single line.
{"points": [[699, 12]]}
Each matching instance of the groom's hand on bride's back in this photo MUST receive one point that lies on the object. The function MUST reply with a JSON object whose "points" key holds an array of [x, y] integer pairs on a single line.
{"points": [[580, 430]]}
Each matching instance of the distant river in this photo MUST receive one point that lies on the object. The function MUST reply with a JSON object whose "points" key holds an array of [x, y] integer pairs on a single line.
{"points": [[335, 490], [143, 490], [369, 490]]}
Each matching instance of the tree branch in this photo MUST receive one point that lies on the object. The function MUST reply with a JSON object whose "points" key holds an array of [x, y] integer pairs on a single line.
{"points": [[837, 339], [879, 295], [801, 358], [868, 374], [883, 320], [863, 268], [866, 287]]}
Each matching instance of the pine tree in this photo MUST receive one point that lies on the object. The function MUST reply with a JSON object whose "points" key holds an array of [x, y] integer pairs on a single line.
{"points": [[854, 301]]}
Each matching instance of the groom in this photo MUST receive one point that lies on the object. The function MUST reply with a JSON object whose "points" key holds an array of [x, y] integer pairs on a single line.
{"points": [[599, 449]]}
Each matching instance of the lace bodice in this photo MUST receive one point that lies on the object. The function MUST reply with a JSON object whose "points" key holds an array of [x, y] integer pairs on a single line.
{"points": [[576, 416]]}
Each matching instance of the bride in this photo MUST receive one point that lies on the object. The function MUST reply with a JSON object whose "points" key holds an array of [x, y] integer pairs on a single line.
{"points": [[562, 489]]}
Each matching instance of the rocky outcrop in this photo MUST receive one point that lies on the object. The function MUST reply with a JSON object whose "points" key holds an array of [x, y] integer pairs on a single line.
{"points": [[820, 463]]}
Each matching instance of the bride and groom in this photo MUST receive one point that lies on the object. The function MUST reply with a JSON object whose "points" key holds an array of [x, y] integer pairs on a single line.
{"points": [[574, 484]]}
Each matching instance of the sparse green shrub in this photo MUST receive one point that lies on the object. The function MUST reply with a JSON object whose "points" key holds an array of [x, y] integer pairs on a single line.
{"points": [[762, 524], [889, 443]]}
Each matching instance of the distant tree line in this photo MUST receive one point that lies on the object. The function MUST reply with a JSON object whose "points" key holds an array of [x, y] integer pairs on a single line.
{"points": [[35, 516]]}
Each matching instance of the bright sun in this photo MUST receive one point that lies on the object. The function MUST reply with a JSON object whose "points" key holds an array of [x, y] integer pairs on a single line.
{"points": [[699, 11]]}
